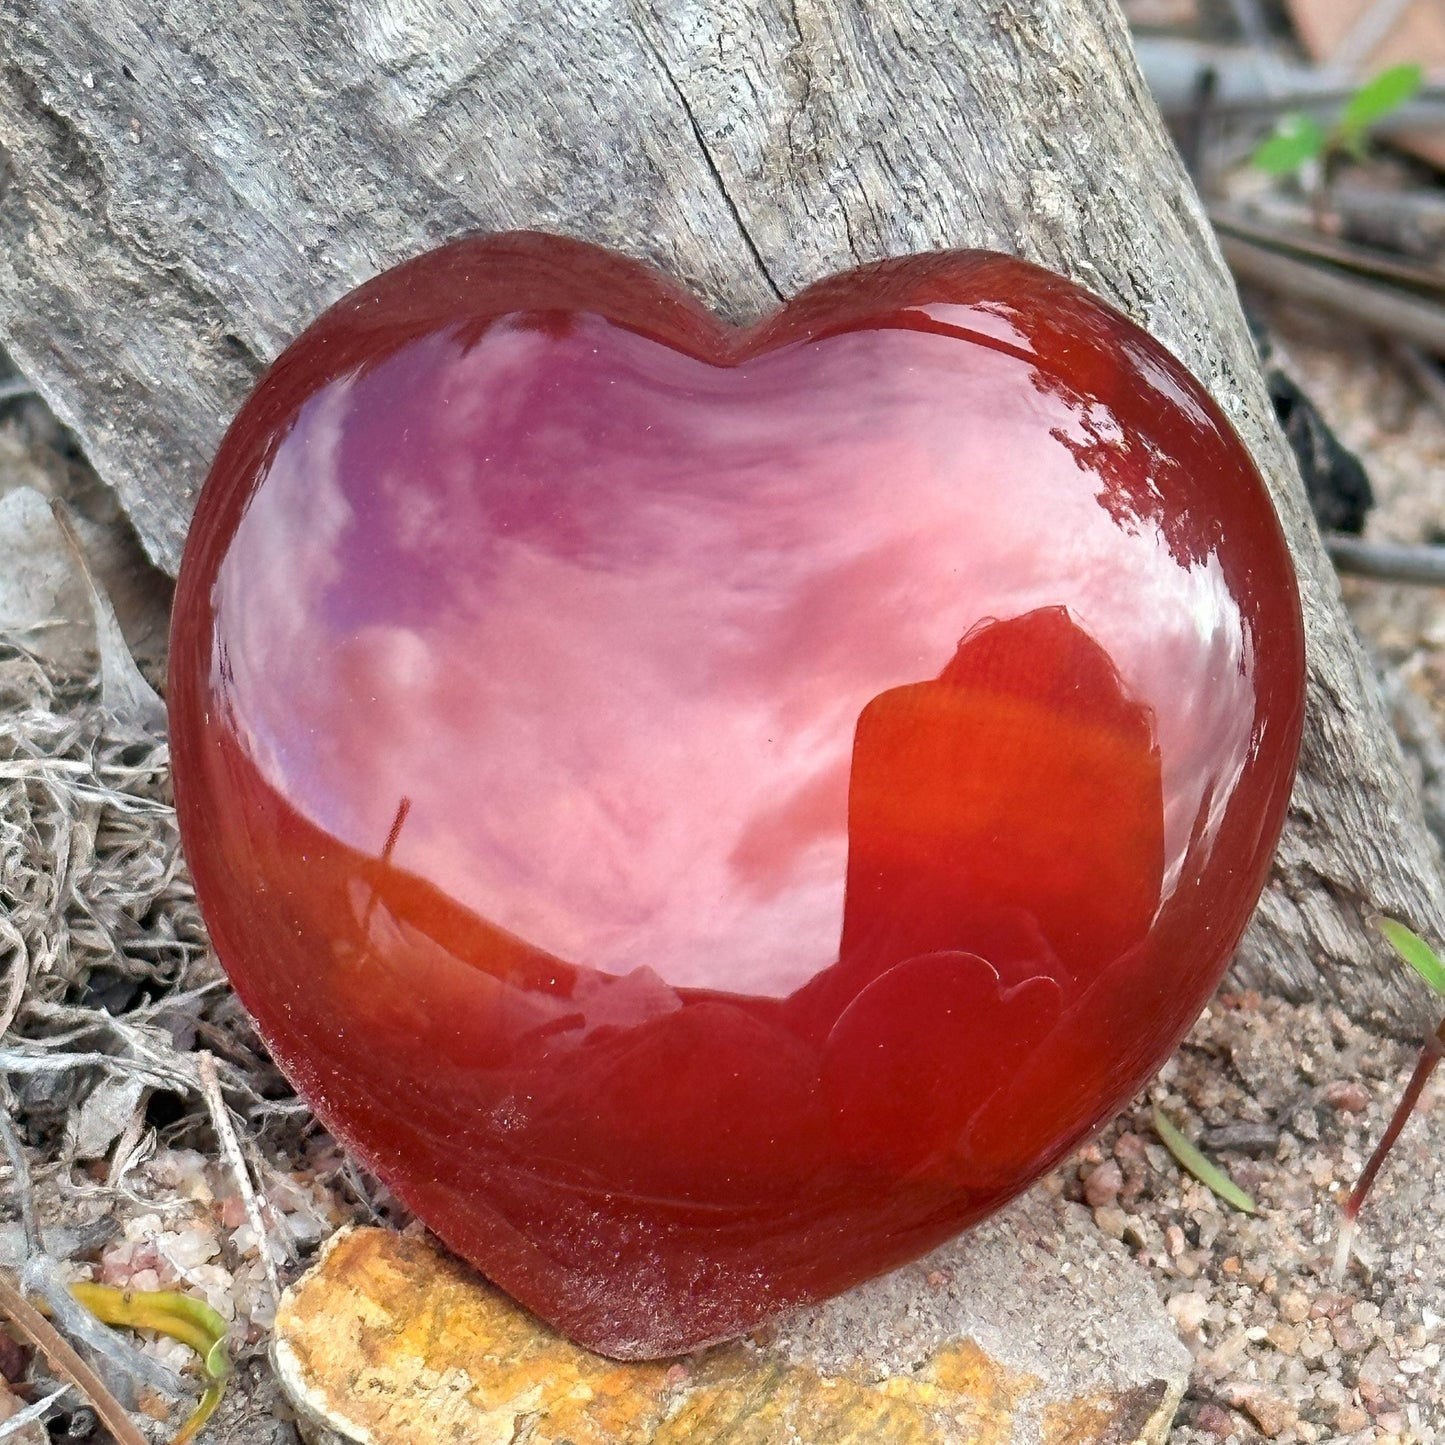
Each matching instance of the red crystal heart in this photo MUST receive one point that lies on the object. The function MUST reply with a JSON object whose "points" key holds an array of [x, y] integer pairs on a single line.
{"points": [[708, 814]]}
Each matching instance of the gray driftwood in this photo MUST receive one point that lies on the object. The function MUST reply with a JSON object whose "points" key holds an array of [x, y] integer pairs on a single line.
{"points": [[186, 182]]}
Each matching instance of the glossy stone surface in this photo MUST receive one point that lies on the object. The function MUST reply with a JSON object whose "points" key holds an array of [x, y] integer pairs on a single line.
{"points": [[707, 815]]}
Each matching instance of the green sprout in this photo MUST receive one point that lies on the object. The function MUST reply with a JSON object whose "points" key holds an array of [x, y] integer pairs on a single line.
{"points": [[1426, 962], [1300, 138], [183, 1318]]}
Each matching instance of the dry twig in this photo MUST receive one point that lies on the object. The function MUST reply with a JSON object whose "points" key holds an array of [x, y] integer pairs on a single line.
{"points": [[1388, 561], [1374, 305], [231, 1153], [1368, 262]]}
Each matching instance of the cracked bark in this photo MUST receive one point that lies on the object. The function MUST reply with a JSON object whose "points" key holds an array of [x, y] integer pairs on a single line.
{"points": [[189, 182]]}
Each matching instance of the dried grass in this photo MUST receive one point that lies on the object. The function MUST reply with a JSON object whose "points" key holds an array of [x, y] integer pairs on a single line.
{"points": [[110, 999]]}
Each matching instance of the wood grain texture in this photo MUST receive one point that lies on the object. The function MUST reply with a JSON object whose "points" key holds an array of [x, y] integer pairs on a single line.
{"points": [[186, 182]]}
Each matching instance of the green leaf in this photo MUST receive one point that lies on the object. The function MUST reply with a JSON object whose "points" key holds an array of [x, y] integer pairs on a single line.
{"points": [[1415, 951], [1210, 1175], [1297, 139], [1376, 99]]}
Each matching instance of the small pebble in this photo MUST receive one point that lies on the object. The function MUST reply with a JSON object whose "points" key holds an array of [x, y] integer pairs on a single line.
{"points": [[1348, 1096], [1102, 1185], [1189, 1311], [1350, 1420], [1214, 1420], [1273, 1415], [153, 1405], [1304, 1124], [1377, 1368], [188, 1248], [232, 1211], [1129, 1149], [1111, 1220]]}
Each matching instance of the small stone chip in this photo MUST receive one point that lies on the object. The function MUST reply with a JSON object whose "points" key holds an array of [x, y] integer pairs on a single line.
{"points": [[1189, 1311], [1101, 1188], [1273, 1415], [1348, 1096], [1214, 1419], [1253, 1140], [1111, 1220], [1350, 1420]]}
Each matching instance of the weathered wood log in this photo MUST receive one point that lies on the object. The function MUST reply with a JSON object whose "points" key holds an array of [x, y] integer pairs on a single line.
{"points": [[186, 183]]}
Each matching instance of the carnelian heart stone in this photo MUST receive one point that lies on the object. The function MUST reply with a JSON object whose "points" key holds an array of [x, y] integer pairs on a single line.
{"points": [[707, 814]]}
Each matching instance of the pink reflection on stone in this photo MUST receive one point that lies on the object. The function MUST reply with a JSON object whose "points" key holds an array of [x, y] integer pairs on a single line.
{"points": [[729, 577]]}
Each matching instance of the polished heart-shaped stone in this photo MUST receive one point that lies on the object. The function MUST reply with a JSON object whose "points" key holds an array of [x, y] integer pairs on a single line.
{"points": [[705, 813]]}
